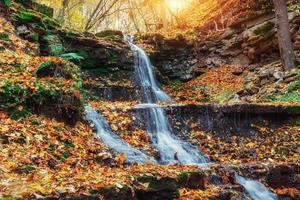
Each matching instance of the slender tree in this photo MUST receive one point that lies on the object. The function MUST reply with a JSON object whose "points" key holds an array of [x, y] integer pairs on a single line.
{"points": [[284, 35]]}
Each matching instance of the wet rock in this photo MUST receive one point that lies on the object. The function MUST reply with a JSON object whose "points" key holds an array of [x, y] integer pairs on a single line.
{"points": [[110, 33], [116, 193], [290, 79], [193, 180], [284, 176], [4, 139], [238, 70], [149, 187], [52, 163], [251, 88], [278, 75], [264, 81], [22, 30], [241, 60]]}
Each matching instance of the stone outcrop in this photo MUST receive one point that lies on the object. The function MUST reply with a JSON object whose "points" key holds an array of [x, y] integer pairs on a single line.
{"points": [[250, 42], [174, 58], [226, 119], [254, 42]]}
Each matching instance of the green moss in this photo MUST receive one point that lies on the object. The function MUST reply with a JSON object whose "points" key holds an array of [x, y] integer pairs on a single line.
{"points": [[224, 96], [6, 2], [293, 90], [111, 57], [110, 35], [25, 169], [49, 23], [4, 36], [27, 16], [45, 69], [183, 178], [176, 84], [157, 184], [33, 37], [72, 56], [262, 30], [294, 96]]}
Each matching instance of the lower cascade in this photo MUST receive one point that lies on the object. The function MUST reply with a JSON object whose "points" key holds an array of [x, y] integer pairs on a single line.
{"points": [[255, 189], [172, 149], [113, 141]]}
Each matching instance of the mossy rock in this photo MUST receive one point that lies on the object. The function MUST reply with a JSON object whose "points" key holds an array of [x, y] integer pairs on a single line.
{"points": [[264, 29], [157, 188], [28, 17], [32, 37], [157, 184], [193, 180], [58, 69], [52, 45], [110, 34], [36, 6], [114, 193], [45, 69]]}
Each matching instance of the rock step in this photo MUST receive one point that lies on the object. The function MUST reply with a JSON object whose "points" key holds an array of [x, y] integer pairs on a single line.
{"points": [[113, 92], [155, 187], [221, 118]]}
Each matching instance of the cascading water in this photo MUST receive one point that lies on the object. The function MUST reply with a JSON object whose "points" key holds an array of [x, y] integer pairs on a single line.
{"points": [[145, 76], [255, 189], [113, 141], [172, 149]]}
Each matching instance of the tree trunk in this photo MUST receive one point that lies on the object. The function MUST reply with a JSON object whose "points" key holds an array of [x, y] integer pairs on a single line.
{"points": [[62, 11], [284, 35]]}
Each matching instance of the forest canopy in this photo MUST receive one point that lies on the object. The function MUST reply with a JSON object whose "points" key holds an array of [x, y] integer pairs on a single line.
{"points": [[129, 15]]}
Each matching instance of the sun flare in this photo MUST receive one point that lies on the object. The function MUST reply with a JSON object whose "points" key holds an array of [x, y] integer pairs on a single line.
{"points": [[177, 5]]}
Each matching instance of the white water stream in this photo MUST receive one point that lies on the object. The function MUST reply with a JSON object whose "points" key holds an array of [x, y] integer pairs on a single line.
{"points": [[113, 141], [255, 189], [172, 149]]}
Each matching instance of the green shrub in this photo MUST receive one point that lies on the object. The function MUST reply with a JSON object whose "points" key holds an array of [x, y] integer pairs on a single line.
{"points": [[4, 36], [45, 69], [294, 96], [6, 2], [25, 16], [72, 56]]}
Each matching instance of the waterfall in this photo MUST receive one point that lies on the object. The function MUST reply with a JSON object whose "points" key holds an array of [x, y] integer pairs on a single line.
{"points": [[113, 141], [255, 189], [172, 149], [145, 76]]}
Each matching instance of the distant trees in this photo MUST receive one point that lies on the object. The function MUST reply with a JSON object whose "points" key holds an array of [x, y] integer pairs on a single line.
{"points": [[128, 15], [284, 35], [100, 12]]}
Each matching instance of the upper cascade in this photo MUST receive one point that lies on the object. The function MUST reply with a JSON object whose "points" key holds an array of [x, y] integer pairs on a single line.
{"points": [[145, 76]]}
